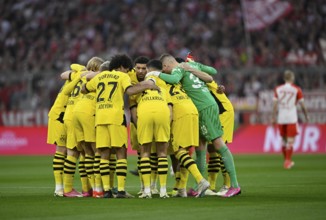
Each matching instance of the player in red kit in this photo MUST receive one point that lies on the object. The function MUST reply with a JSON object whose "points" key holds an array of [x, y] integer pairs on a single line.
{"points": [[286, 97]]}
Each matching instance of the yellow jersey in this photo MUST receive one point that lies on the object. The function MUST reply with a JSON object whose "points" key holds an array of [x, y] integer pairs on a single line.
{"points": [[153, 99], [59, 106], [87, 102], [74, 96], [182, 104], [222, 100], [134, 80], [109, 87]]}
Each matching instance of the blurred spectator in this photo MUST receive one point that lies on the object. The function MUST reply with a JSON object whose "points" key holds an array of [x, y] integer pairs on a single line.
{"points": [[40, 38], [252, 86]]}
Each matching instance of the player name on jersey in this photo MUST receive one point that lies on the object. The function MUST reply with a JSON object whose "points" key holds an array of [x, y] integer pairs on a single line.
{"points": [[87, 96], [108, 75], [181, 97], [103, 106], [152, 98]]}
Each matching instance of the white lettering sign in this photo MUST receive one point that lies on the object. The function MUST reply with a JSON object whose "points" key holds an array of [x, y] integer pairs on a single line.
{"points": [[8, 140], [25, 118], [306, 140]]}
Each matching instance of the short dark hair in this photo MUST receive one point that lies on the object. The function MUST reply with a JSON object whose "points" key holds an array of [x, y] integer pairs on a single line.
{"points": [[141, 60], [155, 64], [120, 60], [180, 60]]}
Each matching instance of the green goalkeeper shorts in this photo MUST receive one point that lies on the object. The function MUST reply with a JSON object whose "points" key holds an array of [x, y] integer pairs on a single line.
{"points": [[209, 123]]}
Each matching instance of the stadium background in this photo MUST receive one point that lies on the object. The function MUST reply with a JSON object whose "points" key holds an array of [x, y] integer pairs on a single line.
{"points": [[250, 46]]}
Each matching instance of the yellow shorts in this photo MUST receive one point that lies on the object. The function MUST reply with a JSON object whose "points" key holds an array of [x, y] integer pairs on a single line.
{"points": [[153, 126], [185, 132], [134, 141], [56, 133], [133, 137], [111, 136], [71, 137], [84, 127], [227, 121]]}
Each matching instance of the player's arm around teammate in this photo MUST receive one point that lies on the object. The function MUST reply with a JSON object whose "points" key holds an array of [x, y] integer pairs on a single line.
{"points": [[137, 75], [57, 133], [226, 116], [153, 124], [75, 150], [200, 74], [84, 124], [111, 132], [210, 126]]}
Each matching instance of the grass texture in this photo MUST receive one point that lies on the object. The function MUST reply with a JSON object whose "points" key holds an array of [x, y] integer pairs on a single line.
{"points": [[268, 192]]}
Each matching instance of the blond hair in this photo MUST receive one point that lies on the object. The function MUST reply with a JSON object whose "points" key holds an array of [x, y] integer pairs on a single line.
{"points": [[288, 76], [94, 64]]}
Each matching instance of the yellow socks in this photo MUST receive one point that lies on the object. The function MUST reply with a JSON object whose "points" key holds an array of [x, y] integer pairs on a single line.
{"points": [[89, 162], [121, 174], [153, 162], [184, 173], [69, 171], [213, 169], [145, 169], [187, 162], [58, 163], [83, 174], [97, 175], [162, 171], [105, 174]]}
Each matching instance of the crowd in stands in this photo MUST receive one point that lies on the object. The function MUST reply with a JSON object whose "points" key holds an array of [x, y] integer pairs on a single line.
{"points": [[39, 39]]}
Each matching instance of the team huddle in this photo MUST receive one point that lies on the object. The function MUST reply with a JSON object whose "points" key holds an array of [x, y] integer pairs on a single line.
{"points": [[175, 106]]}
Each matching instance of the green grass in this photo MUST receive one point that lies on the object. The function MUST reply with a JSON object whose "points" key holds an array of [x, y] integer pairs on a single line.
{"points": [[268, 192]]}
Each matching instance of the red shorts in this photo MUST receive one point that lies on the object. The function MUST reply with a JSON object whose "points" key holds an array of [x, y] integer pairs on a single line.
{"points": [[288, 130]]}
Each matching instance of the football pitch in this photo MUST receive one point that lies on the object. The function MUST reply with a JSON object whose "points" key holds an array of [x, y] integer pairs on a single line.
{"points": [[268, 192]]}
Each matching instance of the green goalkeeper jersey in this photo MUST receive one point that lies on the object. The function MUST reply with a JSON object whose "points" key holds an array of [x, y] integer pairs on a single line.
{"points": [[195, 88]]}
